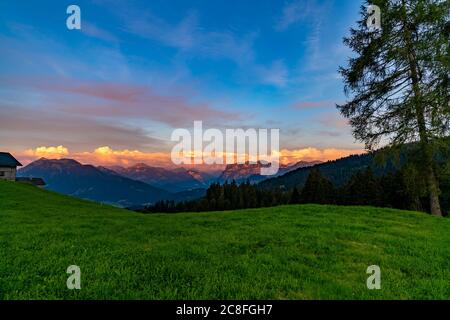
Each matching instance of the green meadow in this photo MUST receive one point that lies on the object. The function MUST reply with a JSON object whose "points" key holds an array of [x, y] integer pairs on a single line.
{"points": [[289, 252]]}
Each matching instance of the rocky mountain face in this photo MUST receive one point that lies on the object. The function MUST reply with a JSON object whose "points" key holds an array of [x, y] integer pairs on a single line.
{"points": [[174, 180], [252, 172]]}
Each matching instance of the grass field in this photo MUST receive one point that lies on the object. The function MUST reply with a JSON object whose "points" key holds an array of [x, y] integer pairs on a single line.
{"points": [[291, 252]]}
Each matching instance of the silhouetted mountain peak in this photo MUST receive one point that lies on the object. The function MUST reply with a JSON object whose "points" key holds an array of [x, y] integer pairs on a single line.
{"points": [[70, 177]]}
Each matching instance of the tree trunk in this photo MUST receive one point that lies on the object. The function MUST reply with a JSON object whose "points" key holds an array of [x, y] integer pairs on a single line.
{"points": [[433, 190], [426, 148]]}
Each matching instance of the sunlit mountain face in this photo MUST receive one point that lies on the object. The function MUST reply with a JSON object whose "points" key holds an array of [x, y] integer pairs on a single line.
{"points": [[252, 172]]}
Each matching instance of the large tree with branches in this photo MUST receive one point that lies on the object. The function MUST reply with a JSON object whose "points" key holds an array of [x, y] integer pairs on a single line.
{"points": [[397, 81]]}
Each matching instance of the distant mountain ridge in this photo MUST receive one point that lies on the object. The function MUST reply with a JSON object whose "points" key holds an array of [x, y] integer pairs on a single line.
{"points": [[175, 180], [252, 172], [70, 177], [381, 162], [337, 171], [139, 184]]}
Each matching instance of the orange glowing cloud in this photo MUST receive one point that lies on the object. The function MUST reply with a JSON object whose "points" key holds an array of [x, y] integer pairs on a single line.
{"points": [[47, 152], [314, 154], [107, 156]]}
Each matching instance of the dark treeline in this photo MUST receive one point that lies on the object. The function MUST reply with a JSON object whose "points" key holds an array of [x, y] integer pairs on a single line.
{"points": [[227, 196], [402, 189]]}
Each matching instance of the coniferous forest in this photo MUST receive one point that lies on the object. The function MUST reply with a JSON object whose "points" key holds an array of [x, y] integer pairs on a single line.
{"points": [[400, 189]]}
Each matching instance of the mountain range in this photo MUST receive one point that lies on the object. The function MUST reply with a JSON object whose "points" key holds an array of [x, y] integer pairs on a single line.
{"points": [[173, 180], [70, 177], [381, 162], [139, 184], [142, 184], [337, 171], [251, 172]]}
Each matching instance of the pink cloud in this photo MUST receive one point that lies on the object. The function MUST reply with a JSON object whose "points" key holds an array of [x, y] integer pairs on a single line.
{"points": [[332, 120], [106, 99], [25, 127]]}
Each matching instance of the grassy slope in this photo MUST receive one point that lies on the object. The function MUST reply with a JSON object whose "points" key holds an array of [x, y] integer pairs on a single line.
{"points": [[293, 252]]}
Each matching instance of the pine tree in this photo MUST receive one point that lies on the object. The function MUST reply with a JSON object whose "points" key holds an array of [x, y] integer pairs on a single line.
{"points": [[317, 189], [362, 189], [399, 80], [295, 197]]}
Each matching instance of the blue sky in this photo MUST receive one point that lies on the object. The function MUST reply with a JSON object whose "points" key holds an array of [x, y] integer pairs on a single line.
{"points": [[138, 69]]}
